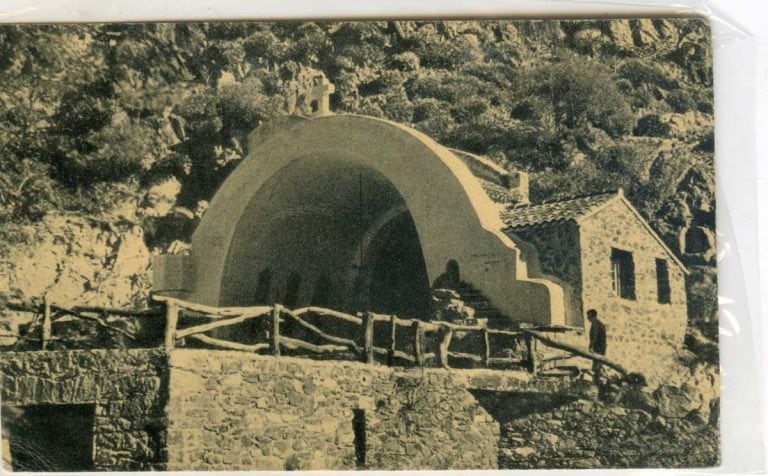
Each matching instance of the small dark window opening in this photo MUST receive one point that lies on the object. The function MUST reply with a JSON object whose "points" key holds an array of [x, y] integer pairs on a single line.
{"points": [[623, 273], [662, 281], [50, 437], [263, 287], [321, 296], [358, 427], [292, 290], [451, 277]]}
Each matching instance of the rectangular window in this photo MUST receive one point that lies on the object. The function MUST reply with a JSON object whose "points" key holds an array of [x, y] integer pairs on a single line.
{"points": [[662, 281], [358, 429], [623, 273]]}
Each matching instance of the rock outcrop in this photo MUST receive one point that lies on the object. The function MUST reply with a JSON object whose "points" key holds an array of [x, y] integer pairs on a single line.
{"points": [[76, 260], [590, 435]]}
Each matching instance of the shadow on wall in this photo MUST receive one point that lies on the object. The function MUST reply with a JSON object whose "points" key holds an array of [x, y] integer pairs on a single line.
{"points": [[508, 406]]}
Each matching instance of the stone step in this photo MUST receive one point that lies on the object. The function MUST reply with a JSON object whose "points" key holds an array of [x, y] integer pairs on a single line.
{"points": [[474, 298]]}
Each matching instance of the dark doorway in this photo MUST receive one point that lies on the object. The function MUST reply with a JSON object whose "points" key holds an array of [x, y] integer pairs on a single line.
{"points": [[292, 291], [323, 292], [264, 287], [50, 437], [399, 283]]}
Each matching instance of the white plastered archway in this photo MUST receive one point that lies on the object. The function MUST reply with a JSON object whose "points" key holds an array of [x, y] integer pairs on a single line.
{"points": [[454, 218]]}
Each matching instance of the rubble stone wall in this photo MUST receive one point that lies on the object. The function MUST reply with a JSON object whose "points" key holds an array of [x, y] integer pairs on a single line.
{"points": [[555, 254], [127, 388], [643, 334], [584, 434], [238, 411]]}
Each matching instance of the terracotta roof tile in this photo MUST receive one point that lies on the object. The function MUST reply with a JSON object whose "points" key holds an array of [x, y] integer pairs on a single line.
{"points": [[561, 210]]}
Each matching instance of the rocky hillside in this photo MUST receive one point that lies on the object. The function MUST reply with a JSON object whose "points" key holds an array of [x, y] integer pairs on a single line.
{"points": [[98, 122]]}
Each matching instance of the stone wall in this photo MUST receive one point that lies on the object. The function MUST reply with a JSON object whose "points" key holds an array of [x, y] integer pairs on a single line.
{"points": [[238, 411], [127, 388], [216, 410], [643, 334], [590, 435], [555, 254]]}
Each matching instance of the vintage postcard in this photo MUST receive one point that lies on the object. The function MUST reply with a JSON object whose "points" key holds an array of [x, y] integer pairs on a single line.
{"points": [[358, 245]]}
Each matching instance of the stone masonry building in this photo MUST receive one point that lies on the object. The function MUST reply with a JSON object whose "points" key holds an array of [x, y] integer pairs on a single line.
{"points": [[606, 257]]}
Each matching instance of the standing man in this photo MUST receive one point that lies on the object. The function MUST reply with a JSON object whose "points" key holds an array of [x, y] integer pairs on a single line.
{"points": [[597, 343]]}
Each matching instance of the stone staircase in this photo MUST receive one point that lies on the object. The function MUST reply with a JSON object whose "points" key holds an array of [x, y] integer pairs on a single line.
{"points": [[484, 308]]}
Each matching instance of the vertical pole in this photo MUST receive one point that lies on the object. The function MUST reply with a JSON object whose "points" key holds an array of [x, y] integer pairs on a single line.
{"points": [[171, 320], [276, 330], [530, 346], [486, 347], [392, 337], [368, 320], [445, 342], [47, 323], [418, 344]]}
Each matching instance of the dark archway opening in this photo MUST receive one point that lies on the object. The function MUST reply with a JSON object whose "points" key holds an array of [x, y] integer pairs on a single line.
{"points": [[331, 233], [264, 287], [322, 295], [50, 437], [398, 281], [292, 295]]}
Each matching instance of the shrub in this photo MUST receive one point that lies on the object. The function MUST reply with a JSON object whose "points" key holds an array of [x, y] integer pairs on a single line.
{"points": [[681, 101], [584, 93], [639, 73], [651, 126]]}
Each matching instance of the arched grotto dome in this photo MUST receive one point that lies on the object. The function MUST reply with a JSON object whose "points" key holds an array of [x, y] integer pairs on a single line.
{"points": [[357, 213]]}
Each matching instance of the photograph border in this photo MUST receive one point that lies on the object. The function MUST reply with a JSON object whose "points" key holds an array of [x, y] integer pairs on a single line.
{"points": [[743, 443]]}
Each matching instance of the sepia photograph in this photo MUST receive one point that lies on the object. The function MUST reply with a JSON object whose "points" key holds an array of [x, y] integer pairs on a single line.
{"points": [[367, 245]]}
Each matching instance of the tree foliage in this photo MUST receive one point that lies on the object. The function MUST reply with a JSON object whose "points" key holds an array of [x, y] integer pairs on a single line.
{"points": [[94, 106]]}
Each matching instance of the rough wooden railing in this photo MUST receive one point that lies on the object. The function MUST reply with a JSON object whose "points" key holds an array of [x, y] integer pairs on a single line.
{"points": [[574, 350], [361, 343], [48, 313]]}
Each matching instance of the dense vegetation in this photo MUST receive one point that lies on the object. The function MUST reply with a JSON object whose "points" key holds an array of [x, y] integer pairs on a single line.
{"points": [[91, 115]]}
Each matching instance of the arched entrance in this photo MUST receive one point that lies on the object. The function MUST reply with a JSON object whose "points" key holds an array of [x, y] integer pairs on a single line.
{"points": [[393, 279], [341, 234], [360, 212]]}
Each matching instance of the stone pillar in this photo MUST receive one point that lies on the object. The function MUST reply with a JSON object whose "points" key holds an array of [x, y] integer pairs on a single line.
{"points": [[518, 187]]}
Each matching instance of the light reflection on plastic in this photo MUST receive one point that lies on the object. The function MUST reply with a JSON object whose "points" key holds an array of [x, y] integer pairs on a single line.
{"points": [[734, 324], [723, 248], [18, 12]]}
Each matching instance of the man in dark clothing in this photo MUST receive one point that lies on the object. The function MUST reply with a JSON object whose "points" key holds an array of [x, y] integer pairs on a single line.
{"points": [[597, 340], [597, 343]]}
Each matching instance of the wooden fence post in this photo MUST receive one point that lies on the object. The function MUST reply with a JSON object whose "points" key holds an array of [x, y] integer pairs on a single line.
{"points": [[418, 342], [171, 321], [445, 342], [368, 321], [486, 347], [276, 330], [392, 337], [47, 329], [530, 347]]}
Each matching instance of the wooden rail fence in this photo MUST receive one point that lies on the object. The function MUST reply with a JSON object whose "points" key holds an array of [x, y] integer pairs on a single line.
{"points": [[426, 342], [364, 346]]}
